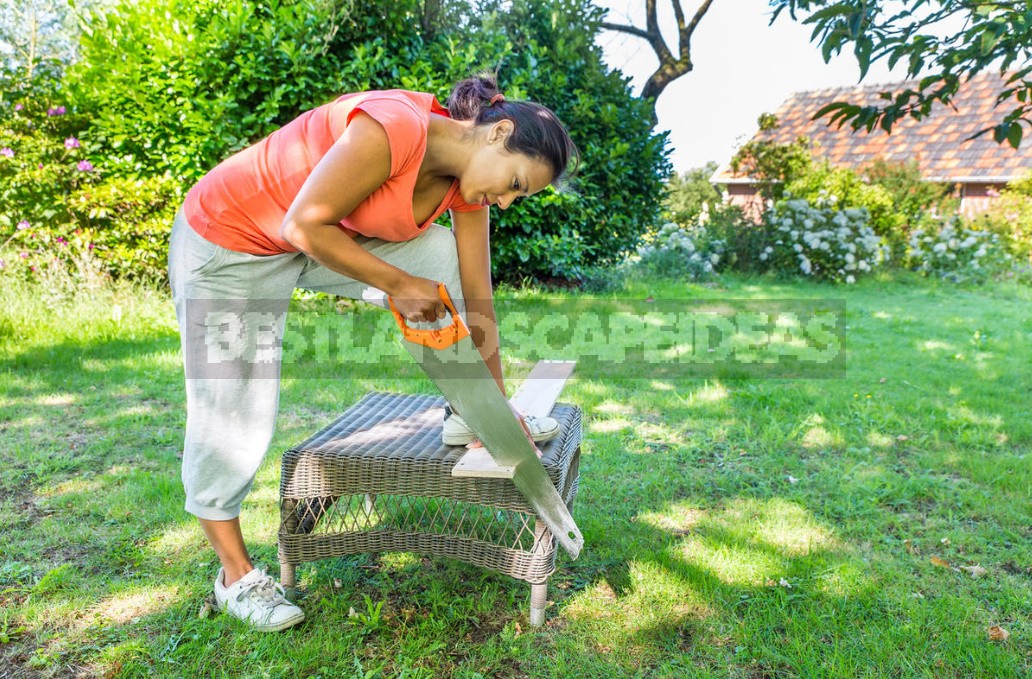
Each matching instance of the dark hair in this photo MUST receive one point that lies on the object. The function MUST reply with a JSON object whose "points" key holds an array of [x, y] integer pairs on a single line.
{"points": [[538, 132]]}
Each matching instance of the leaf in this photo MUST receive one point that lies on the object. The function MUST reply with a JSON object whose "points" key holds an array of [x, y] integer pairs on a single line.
{"points": [[974, 571], [989, 40], [939, 562], [997, 633], [1014, 134]]}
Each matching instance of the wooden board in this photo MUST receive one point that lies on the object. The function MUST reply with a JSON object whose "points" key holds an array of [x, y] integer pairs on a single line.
{"points": [[536, 397], [540, 390]]}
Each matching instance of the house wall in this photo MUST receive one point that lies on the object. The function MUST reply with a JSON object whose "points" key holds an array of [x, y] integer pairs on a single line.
{"points": [[745, 197], [976, 198]]}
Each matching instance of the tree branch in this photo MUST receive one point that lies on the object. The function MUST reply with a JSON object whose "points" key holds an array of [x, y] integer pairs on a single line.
{"points": [[687, 31], [670, 68], [633, 30]]}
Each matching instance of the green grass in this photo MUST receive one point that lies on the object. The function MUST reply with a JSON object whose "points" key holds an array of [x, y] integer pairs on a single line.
{"points": [[733, 528]]}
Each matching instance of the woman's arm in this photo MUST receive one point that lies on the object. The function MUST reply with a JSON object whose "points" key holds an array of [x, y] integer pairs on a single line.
{"points": [[355, 166], [473, 244]]}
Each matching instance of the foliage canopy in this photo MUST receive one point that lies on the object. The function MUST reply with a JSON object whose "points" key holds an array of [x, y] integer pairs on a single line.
{"points": [[942, 42], [168, 88]]}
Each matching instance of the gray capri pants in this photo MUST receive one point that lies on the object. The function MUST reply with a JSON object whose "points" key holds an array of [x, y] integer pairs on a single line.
{"points": [[230, 418]]}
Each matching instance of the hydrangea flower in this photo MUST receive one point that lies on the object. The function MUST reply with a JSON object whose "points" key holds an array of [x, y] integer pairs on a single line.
{"points": [[56, 111], [71, 143], [85, 166], [18, 107], [7, 152], [23, 224]]}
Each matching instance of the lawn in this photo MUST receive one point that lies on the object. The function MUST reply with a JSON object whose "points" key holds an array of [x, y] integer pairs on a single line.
{"points": [[875, 524]]}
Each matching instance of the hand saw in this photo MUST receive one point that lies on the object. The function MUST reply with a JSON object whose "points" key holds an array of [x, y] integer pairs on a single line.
{"points": [[452, 361]]}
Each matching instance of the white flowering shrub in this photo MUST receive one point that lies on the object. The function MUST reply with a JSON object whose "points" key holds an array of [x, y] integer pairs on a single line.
{"points": [[956, 252], [821, 242], [679, 252]]}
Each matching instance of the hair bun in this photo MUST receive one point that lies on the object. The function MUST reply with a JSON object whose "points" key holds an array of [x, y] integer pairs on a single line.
{"points": [[472, 95]]}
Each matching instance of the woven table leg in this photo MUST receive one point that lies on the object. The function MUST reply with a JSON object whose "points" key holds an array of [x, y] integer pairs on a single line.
{"points": [[539, 591], [288, 578], [538, 600]]}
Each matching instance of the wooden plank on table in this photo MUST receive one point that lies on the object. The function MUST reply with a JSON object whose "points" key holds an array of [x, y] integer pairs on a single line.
{"points": [[535, 397], [540, 390], [477, 462]]}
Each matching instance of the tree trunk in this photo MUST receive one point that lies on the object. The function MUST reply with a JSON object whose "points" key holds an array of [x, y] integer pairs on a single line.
{"points": [[670, 67]]}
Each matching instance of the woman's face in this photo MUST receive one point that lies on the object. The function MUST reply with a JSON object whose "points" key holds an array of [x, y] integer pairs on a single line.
{"points": [[495, 176]]}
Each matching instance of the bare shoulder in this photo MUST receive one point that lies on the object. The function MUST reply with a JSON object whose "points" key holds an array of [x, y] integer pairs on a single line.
{"points": [[364, 135], [355, 166]]}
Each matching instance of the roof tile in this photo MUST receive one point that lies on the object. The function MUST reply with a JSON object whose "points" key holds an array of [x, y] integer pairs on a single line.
{"points": [[940, 143]]}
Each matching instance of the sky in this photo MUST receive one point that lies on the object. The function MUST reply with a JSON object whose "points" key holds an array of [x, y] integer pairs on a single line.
{"points": [[742, 67]]}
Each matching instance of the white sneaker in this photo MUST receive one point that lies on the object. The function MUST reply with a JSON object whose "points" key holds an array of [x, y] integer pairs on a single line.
{"points": [[258, 600], [457, 432]]}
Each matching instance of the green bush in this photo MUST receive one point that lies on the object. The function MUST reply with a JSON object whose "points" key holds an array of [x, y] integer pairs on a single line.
{"points": [[678, 252], [551, 57], [771, 164], [165, 89], [743, 239], [176, 86], [1010, 217], [912, 197], [689, 194], [821, 242], [956, 252], [60, 209], [841, 188], [41, 151]]}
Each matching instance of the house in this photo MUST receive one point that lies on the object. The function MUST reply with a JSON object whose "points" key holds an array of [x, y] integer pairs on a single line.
{"points": [[939, 143]]}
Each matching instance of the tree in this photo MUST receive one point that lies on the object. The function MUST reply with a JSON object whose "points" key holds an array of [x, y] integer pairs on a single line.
{"points": [[688, 193], [670, 67], [37, 39], [992, 36], [771, 164]]}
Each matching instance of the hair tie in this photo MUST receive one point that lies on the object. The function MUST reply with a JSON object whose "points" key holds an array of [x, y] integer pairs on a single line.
{"points": [[497, 98]]}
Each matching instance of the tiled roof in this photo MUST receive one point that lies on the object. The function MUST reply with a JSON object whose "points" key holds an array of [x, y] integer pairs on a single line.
{"points": [[936, 142]]}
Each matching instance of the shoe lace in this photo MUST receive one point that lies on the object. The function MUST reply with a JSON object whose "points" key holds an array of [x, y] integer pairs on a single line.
{"points": [[266, 590]]}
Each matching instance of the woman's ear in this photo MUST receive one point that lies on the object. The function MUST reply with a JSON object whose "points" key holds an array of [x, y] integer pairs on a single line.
{"points": [[500, 131]]}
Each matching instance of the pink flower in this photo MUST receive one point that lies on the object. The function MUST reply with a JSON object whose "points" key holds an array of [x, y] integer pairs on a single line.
{"points": [[7, 151], [71, 143], [23, 224], [61, 240], [18, 107], [56, 111], [85, 166], [90, 246], [24, 255]]}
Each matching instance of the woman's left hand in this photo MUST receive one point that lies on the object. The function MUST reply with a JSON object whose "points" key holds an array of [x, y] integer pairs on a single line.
{"points": [[526, 430]]}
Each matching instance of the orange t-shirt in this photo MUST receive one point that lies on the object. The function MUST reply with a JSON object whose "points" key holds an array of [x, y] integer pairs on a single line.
{"points": [[241, 204]]}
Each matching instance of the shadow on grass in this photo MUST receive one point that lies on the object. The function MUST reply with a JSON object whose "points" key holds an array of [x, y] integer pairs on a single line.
{"points": [[668, 505]]}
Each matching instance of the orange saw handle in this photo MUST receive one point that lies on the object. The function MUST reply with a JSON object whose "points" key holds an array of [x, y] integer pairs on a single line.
{"points": [[441, 338]]}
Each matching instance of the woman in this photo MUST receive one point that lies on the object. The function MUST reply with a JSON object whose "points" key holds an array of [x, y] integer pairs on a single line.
{"points": [[341, 200]]}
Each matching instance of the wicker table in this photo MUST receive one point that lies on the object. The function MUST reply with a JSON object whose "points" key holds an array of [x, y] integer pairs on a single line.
{"points": [[378, 479]]}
